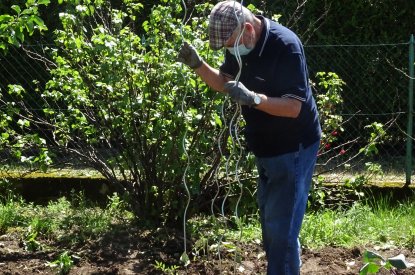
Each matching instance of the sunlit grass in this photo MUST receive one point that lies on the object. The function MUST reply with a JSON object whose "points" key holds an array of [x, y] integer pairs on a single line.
{"points": [[11, 214], [372, 223], [379, 222], [375, 223], [73, 221]]}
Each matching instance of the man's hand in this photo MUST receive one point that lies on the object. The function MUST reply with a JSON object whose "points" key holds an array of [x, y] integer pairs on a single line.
{"points": [[189, 56], [239, 93]]}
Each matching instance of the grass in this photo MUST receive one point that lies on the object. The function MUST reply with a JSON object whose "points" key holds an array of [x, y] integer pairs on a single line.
{"points": [[63, 263], [64, 225], [73, 221], [379, 222], [64, 221], [18, 172]]}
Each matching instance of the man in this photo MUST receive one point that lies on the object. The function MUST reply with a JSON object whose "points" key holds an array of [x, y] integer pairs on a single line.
{"points": [[282, 125]]}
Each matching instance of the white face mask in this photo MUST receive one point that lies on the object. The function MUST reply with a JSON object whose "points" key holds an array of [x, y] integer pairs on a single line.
{"points": [[241, 49]]}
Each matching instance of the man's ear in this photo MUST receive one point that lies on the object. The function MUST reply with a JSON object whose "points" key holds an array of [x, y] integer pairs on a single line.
{"points": [[249, 27]]}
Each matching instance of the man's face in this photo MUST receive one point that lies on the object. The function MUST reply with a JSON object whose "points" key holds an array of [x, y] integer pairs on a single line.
{"points": [[246, 38]]}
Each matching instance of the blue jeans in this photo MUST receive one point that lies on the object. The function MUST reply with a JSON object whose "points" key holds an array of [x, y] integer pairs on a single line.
{"points": [[283, 186]]}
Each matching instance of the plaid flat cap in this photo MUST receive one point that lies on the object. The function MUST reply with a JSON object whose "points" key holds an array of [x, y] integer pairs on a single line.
{"points": [[223, 21]]}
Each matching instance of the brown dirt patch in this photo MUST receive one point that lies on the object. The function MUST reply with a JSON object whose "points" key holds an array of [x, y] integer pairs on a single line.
{"points": [[135, 251]]}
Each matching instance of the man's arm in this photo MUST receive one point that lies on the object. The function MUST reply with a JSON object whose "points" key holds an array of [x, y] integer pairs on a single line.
{"points": [[277, 106], [211, 77], [285, 107]]}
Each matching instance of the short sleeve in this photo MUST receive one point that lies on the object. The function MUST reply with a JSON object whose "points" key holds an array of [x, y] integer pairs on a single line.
{"points": [[292, 76]]}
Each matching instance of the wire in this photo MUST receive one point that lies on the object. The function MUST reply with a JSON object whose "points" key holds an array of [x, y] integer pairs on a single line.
{"points": [[235, 139], [241, 24], [184, 257], [234, 136], [233, 129]]}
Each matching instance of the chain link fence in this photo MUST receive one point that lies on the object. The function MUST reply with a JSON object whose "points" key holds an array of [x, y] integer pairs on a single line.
{"points": [[376, 90]]}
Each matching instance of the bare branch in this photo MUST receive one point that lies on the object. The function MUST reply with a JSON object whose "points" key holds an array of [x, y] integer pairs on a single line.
{"points": [[400, 70], [38, 57]]}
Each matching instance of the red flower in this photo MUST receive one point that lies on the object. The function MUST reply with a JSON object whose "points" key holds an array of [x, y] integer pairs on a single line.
{"points": [[342, 152], [334, 133]]}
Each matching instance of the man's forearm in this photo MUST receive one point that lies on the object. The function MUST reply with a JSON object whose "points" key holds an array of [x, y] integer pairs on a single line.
{"points": [[284, 107], [211, 77]]}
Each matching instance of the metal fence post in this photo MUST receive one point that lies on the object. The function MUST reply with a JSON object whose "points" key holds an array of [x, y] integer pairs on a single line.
{"points": [[410, 112]]}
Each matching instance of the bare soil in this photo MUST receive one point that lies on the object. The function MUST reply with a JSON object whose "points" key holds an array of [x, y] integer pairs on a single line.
{"points": [[135, 251]]}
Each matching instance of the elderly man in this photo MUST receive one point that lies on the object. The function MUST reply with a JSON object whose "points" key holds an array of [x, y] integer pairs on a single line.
{"points": [[282, 124]]}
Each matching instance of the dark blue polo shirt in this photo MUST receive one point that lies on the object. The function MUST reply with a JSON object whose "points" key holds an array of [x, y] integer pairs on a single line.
{"points": [[276, 67]]}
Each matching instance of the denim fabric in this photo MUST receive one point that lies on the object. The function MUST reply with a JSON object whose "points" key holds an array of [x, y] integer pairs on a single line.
{"points": [[283, 186]]}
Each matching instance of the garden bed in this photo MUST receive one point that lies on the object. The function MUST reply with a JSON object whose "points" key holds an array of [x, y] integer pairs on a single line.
{"points": [[137, 251]]}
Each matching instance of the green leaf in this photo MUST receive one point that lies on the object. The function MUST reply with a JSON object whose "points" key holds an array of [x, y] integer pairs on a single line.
{"points": [[29, 27], [369, 268], [16, 8], [91, 9], [218, 120], [5, 18], [370, 256], [23, 123], [27, 12], [12, 39], [43, 2], [185, 259], [39, 22]]}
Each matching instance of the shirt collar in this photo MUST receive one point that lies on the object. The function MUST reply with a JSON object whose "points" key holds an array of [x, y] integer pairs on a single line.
{"points": [[264, 35]]}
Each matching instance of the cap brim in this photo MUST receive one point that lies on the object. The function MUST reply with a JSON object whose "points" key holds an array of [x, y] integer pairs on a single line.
{"points": [[215, 47]]}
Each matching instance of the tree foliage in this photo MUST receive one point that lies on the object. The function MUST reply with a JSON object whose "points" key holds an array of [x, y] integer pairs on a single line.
{"points": [[120, 103], [20, 21]]}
